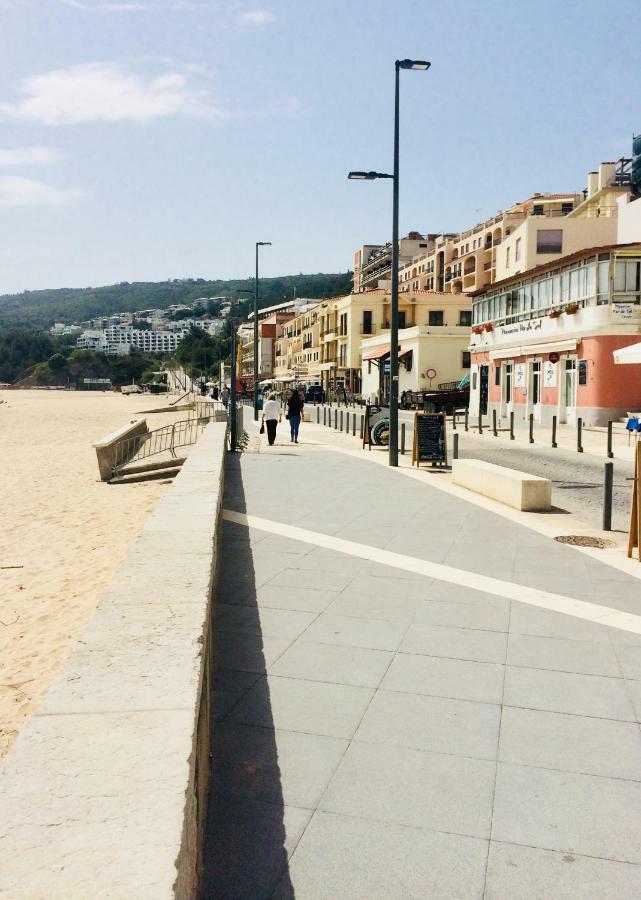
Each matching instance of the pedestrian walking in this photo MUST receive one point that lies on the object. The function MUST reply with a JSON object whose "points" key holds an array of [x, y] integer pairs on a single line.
{"points": [[224, 396], [295, 405], [271, 417]]}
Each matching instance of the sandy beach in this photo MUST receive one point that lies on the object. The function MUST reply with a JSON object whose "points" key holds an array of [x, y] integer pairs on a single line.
{"points": [[64, 531]]}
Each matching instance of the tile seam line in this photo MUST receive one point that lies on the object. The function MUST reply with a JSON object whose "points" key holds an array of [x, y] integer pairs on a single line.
{"points": [[580, 609]]}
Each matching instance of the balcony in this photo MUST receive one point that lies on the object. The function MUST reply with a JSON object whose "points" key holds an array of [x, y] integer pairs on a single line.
{"points": [[368, 329], [307, 344]]}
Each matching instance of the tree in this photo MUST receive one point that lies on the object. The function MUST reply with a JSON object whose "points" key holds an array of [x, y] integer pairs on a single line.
{"points": [[57, 362]]}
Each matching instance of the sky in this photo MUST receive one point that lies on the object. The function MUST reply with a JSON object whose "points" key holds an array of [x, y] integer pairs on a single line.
{"points": [[153, 139]]}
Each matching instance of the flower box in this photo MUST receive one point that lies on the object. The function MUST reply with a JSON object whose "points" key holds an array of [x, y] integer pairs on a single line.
{"points": [[572, 308], [488, 326], [478, 329], [554, 313]]}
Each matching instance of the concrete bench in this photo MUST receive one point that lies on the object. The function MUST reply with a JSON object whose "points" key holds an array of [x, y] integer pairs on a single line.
{"points": [[518, 489]]}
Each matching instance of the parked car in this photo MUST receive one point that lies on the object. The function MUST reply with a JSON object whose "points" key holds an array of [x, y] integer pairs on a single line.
{"points": [[314, 394]]}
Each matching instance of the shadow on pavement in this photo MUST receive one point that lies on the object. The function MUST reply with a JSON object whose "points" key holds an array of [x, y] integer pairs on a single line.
{"points": [[245, 855]]}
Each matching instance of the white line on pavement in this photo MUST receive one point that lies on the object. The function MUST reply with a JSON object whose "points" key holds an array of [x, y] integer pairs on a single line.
{"points": [[569, 606]]}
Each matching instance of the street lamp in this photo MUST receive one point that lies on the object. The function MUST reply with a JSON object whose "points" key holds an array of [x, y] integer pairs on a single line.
{"points": [[422, 66], [258, 244]]}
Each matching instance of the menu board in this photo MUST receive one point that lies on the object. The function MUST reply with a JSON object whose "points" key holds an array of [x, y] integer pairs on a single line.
{"points": [[429, 438]]}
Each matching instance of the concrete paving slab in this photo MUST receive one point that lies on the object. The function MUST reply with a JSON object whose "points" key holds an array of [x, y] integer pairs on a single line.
{"points": [[486, 617], [341, 856], [274, 766], [297, 598], [394, 605], [571, 743], [229, 685], [565, 692], [283, 623], [582, 814], [455, 643], [322, 581], [562, 655], [373, 634], [542, 623], [630, 661], [314, 707], [458, 727], [333, 663], [528, 873], [441, 677], [413, 787], [246, 652]]}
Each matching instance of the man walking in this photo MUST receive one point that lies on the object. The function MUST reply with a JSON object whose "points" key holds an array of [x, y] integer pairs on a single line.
{"points": [[271, 417]]}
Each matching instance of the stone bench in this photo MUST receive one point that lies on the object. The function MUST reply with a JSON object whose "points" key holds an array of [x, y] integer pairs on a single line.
{"points": [[517, 489]]}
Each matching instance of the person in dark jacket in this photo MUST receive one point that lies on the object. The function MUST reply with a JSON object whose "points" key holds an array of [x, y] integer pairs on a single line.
{"points": [[295, 405]]}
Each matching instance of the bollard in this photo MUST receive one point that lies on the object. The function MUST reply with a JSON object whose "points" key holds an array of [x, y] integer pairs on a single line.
{"points": [[494, 429], [336, 420], [610, 452], [607, 496], [353, 424], [403, 437], [531, 418], [467, 415], [362, 424], [480, 422], [554, 444], [341, 428], [324, 415], [453, 420], [318, 415], [579, 429], [512, 426], [455, 446]]}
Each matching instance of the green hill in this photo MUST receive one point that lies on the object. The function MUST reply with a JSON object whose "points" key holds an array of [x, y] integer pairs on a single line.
{"points": [[43, 308]]}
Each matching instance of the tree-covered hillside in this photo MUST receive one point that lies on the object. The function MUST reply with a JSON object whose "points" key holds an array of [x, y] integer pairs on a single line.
{"points": [[43, 308]]}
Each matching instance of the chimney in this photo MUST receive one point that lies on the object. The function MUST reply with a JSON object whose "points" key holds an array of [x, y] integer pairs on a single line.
{"points": [[606, 174], [593, 183]]}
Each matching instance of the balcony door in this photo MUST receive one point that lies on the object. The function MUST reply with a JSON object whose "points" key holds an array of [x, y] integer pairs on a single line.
{"points": [[506, 392], [567, 392]]}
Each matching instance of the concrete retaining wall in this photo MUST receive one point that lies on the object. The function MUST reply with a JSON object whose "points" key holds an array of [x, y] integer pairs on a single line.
{"points": [[106, 447], [104, 792]]}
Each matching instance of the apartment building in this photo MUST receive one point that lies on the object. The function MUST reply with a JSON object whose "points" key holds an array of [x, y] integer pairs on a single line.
{"points": [[373, 262], [542, 341], [269, 329], [119, 340], [297, 351], [346, 324]]}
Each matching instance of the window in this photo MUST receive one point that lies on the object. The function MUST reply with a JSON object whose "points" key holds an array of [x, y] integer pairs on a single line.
{"points": [[517, 250], [497, 374], [507, 257], [549, 240], [465, 317], [566, 208], [466, 357], [401, 318], [537, 209], [367, 321], [435, 317]]}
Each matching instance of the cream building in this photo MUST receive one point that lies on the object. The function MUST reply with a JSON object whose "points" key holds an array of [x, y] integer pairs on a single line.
{"points": [[373, 262]]}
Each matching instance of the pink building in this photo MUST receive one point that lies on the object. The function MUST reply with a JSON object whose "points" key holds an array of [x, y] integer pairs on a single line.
{"points": [[542, 341]]}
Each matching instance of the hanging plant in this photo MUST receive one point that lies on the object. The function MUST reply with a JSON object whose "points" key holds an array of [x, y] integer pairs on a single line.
{"points": [[554, 313], [478, 329], [488, 326], [571, 308]]}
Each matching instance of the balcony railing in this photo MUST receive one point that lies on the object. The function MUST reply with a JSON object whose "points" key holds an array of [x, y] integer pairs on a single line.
{"points": [[368, 329]]}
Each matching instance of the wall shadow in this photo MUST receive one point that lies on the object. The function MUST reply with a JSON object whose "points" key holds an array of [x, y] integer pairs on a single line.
{"points": [[244, 847]]}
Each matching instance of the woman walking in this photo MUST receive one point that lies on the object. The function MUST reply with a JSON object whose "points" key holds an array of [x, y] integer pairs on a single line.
{"points": [[294, 410], [271, 417]]}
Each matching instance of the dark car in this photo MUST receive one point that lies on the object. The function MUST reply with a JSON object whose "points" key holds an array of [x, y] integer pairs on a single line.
{"points": [[446, 401], [315, 394]]}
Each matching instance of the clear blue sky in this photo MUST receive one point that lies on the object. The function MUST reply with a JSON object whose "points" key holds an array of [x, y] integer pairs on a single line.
{"points": [[152, 139]]}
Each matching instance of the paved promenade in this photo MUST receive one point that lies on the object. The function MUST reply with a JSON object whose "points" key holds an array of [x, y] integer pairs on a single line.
{"points": [[415, 696]]}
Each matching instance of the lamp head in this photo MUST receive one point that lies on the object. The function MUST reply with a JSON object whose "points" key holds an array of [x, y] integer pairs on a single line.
{"points": [[263, 243], [367, 176], [420, 64]]}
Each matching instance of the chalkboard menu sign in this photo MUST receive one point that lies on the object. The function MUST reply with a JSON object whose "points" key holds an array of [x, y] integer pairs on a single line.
{"points": [[429, 438]]}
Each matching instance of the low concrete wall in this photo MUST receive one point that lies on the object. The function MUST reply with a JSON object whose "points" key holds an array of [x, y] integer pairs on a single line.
{"points": [[517, 489], [106, 446], [104, 792]]}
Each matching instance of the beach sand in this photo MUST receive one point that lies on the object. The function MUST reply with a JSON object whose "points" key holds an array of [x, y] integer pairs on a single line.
{"points": [[67, 531]]}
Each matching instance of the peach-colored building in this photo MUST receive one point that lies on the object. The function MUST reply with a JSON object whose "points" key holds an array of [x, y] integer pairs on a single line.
{"points": [[542, 341]]}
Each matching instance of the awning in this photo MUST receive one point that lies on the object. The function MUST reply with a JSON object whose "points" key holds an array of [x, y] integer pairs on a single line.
{"points": [[529, 349], [625, 355], [377, 352]]}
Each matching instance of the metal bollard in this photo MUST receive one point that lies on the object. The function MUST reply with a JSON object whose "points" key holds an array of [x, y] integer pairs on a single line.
{"points": [[403, 437], [324, 415], [579, 430], [341, 428], [480, 422], [453, 420], [610, 451], [354, 425], [554, 443], [607, 496], [531, 418], [455, 446], [318, 415], [335, 420], [512, 426], [362, 425], [467, 415], [494, 428]]}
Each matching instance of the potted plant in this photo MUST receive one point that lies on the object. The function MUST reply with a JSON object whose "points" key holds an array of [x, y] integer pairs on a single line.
{"points": [[488, 326], [571, 308], [478, 329], [554, 313]]}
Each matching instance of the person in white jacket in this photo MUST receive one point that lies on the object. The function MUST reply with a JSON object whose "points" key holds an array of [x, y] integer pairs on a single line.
{"points": [[271, 417]]}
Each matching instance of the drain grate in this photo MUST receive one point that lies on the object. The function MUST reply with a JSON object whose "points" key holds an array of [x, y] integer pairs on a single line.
{"points": [[582, 540]]}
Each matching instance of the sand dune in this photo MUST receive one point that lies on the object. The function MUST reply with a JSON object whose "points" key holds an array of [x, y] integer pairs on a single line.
{"points": [[67, 531]]}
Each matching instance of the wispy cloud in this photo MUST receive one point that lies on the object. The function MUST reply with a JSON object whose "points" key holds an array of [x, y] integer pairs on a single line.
{"points": [[16, 191], [256, 17], [107, 92], [27, 156]]}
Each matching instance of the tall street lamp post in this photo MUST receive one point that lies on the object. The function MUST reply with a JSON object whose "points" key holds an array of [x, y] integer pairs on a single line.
{"points": [[420, 65], [258, 244]]}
